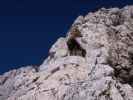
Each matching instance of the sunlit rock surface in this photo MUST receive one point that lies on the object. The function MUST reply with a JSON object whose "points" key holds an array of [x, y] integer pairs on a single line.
{"points": [[93, 62]]}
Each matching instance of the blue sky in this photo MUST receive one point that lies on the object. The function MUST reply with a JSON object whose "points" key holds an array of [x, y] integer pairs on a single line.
{"points": [[28, 28]]}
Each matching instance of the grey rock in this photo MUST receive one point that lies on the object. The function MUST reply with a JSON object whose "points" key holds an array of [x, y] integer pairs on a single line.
{"points": [[97, 65]]}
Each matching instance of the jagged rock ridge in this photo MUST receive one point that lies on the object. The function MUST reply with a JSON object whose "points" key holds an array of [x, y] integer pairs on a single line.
{"points": [[93, 62]]}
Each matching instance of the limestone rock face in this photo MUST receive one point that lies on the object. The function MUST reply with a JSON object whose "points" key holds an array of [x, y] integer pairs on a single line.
{"points": [[95, 62]]}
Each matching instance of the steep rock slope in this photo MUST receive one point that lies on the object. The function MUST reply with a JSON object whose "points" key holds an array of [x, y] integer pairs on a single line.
{"points": [[93, 62]]}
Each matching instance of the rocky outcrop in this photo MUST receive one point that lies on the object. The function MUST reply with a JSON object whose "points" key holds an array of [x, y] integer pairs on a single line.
{"points": [[93, 62]]}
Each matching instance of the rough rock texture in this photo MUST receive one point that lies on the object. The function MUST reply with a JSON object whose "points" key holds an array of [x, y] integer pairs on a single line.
{"points": [[93, 62]]}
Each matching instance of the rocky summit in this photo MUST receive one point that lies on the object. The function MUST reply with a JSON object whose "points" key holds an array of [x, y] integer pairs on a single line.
{"points": [[93, 62]]}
